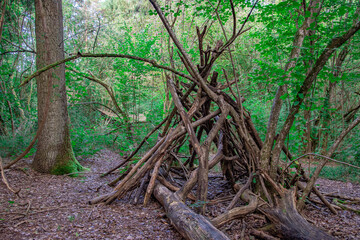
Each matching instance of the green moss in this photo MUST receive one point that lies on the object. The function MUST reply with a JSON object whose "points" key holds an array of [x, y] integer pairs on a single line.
{"points": [[69, 167], [67, 163]]}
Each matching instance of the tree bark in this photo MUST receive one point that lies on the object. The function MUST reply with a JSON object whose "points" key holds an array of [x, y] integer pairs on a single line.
{"points": [[289, 223], [54, 151]]}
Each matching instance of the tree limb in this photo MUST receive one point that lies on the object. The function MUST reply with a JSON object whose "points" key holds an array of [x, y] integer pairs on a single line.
{"points": [[102, 55]]}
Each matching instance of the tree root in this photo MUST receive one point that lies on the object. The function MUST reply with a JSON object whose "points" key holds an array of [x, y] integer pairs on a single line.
{"points": [[288, 223]]}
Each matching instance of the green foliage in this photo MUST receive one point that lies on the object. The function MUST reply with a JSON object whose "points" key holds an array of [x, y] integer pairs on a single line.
{"points": [[132, 27], [198, 204], [342, 173], [12, 146], [71, 218]]}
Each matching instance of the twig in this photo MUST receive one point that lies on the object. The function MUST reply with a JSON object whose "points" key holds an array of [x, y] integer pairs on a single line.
{"points": [[357, 211], [28, 208], [318, 155], [262, 235], [137, 149], [22, 222], [241, 191], [41, 211]]}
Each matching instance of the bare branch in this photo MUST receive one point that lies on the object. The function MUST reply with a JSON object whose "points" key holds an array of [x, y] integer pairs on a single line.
{"points": [[5, 180], [103, 55]]}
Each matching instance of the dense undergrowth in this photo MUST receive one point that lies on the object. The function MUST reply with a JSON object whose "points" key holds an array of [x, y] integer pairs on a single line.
{"points": [[259, 55]]}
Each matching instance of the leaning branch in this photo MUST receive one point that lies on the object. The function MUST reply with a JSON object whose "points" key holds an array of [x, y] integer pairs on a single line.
{"points": [[137, 149], [316, 174], [310, 78], [103, 55]]}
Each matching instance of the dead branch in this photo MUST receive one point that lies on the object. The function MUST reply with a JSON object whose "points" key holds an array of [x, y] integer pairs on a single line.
{"points": [[341, 196], [235, 213], [240, 192], [5, 181], [357, 211], [322, 156]]}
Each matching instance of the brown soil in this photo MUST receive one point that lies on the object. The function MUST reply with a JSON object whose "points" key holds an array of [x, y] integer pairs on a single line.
{"points": [[55, 207]]}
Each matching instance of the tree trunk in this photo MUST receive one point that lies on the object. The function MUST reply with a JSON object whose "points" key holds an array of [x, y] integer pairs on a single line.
{"points": [[54, 151], [3, 131]]}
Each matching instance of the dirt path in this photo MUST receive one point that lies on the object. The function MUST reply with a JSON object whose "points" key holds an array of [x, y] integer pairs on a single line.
{"points": [[55, 207]]}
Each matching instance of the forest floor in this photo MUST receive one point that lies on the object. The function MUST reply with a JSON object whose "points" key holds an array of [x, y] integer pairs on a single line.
{"points": [[56, 207]]}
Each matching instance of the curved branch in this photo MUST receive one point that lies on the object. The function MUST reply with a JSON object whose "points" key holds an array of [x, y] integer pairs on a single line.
{"points": [[98, 103], [5, 180], [103, 55], [110, 91]]}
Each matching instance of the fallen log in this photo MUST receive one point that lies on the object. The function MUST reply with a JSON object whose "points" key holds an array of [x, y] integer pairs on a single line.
{"points": [[189, 224]]}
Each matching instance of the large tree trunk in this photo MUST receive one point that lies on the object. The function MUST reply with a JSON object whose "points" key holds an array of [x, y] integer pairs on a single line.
{"points": [[54, 151]]}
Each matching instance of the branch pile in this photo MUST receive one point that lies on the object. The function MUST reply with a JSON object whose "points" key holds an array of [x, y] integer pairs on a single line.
{"points": [[207, 115]]}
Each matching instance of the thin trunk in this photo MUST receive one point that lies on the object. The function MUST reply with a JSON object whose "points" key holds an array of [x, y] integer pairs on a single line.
{"points": [[277, 103], [310, 78], [331, 151]]}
